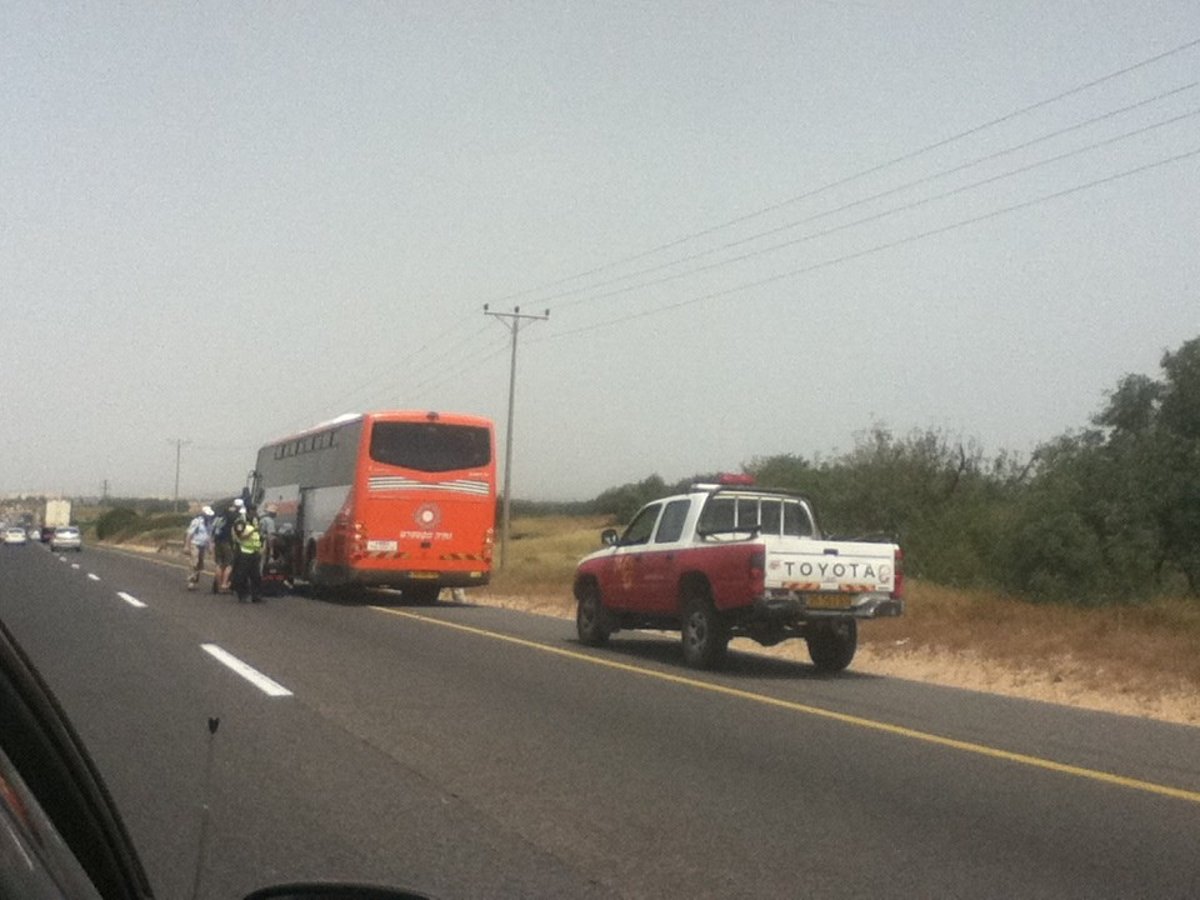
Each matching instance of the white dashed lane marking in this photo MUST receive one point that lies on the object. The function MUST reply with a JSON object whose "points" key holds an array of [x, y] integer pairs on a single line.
{"points": [[268, 686]]}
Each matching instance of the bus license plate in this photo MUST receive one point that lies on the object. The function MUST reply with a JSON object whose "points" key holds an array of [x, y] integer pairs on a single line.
{"points": [[423, 576]]}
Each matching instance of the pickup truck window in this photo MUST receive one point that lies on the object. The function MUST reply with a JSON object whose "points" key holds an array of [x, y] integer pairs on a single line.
{"points": [[727, 514], [771, 515], [670, 528], [786, 517], [718, 515], [642, 526], [796, 521]]}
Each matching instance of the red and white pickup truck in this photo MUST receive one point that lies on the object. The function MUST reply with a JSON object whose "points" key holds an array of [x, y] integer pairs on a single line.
{"points": [[725, 561]]}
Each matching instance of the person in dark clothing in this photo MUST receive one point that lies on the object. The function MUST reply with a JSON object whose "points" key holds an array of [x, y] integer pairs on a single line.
{"points": [[223, 549]]}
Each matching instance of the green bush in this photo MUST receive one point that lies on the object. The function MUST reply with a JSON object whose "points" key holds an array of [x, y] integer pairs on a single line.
{"points": [[155, 529], [124, 524], [115, 520]]}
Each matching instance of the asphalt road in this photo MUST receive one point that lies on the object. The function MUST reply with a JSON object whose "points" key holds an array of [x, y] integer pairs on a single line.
{"points": [[474, 752]]}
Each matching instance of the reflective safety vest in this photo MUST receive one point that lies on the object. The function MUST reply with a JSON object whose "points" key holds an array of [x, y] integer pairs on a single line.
{"points": [[248, 536]]}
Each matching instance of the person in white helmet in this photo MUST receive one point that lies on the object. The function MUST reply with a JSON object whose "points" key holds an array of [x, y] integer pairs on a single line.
{"points": [[196, 541]]}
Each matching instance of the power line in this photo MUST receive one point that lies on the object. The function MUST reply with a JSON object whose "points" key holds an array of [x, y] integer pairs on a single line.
{"points": [[466, 364], [451, 350], [476, 360], [855, 203], [1020, 170], [881, 247], [905, 157], [388, 372], [473, 360]]}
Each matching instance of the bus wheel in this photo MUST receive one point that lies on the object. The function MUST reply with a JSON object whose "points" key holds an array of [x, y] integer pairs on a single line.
{"points": [[315, 590]]}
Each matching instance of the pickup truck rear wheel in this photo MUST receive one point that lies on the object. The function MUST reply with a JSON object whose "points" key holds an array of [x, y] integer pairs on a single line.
{"points": [[705, 634], [831, 644], [591, 618], [421, 595]]}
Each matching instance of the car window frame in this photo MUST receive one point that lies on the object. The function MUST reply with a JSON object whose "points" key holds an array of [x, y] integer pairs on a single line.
{"points": [[43, 746], [674, 516], [650, 511]]}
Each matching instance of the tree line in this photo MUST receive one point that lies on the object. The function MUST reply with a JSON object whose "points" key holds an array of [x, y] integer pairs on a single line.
{"points": [[1108, 513]]}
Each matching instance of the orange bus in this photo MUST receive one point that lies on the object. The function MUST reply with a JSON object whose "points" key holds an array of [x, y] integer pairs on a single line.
{"points": [[397, 498]]}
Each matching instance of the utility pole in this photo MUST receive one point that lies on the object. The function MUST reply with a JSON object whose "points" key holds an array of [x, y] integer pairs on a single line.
{"points": [[179, 443], [513, 322]]}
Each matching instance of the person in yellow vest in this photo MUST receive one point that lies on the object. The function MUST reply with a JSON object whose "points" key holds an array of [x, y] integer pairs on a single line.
{"points": [[247, 557]]}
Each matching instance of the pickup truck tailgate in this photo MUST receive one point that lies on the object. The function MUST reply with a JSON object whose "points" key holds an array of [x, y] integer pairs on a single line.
{"points": [[844, 567]]}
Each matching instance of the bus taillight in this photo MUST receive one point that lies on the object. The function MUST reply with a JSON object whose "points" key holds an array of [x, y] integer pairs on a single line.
{"points": [[358, 546]]}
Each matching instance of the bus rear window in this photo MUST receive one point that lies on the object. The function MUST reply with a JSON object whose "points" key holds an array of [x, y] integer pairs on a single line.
{"points": [[430, 446]]}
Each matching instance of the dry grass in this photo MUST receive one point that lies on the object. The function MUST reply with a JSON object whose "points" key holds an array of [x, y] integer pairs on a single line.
{"points": [[1161, 638], [1138, 660], [1141, 660], [542, 553]]}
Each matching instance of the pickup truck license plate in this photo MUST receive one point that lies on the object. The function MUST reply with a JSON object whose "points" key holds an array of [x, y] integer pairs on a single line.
{"points": [[829, 601]]}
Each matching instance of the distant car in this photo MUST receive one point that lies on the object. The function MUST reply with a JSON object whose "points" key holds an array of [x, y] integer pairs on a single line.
{"points": [[14, 535], [66, 537], [33, 534], [47, 533]]}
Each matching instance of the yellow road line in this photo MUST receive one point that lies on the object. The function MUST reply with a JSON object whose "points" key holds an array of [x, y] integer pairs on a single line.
{"points": [[858, 721]]}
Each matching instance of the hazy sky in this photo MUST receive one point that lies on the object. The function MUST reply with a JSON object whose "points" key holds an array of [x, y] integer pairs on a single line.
{"points": [[759, 227]]}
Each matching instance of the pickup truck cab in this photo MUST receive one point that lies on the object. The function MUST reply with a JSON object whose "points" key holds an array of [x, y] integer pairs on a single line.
{"points": [[724, 561]]}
